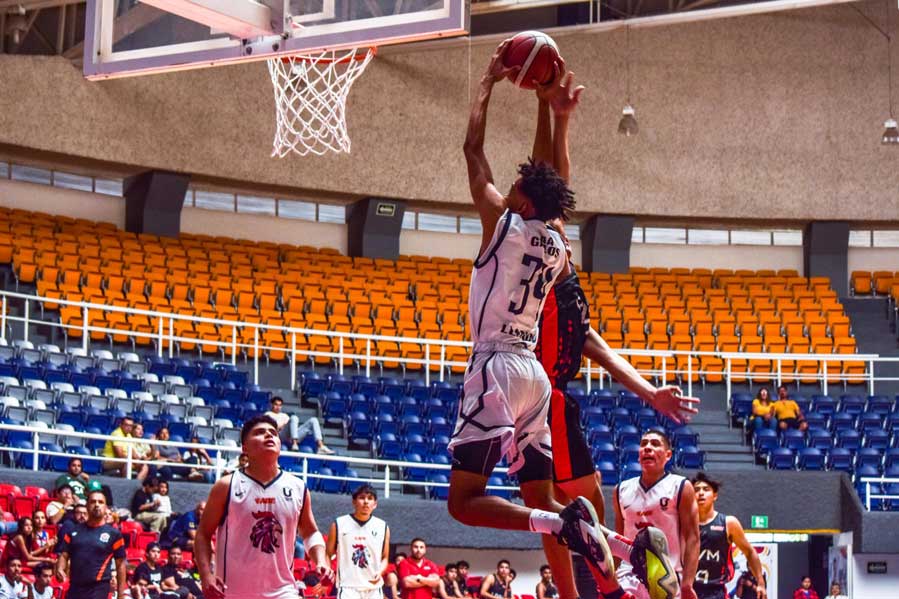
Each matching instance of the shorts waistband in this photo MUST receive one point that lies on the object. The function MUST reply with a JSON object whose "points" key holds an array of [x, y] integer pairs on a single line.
{"points": [[508, 348]]}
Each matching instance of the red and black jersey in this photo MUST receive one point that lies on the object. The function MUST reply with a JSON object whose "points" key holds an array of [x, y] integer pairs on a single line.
{"points": [[716, 565], [564, 324]]}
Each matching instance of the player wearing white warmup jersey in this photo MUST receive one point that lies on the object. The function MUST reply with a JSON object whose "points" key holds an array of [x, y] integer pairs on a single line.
{"points": [[361, 543], [506, 392], [665, 501], [255, 514]]}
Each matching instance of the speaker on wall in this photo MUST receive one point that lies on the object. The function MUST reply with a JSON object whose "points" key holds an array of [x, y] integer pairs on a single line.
{"points": [[825, 253], [153, 202], [606, 243], [374, 226]]}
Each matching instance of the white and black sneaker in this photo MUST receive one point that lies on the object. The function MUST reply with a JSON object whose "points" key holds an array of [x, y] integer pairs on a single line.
{"points": [[581, 533]]}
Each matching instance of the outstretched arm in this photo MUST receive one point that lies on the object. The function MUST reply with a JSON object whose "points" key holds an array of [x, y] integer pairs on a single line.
{"points": [[487, 199], [738, 537], [688, 520], [563, 103], [666, 400]]}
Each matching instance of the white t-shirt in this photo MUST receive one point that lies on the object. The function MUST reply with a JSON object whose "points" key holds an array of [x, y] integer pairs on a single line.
{"points": [[47, 594], [10, 590], [280, 418], [165, 504]]}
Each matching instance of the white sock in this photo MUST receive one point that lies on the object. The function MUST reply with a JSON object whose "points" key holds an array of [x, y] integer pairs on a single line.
{"points": [[621, 546], [547, 523]]}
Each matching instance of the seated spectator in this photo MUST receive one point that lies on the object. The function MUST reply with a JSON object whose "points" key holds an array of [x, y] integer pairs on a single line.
{"points": [[291, 431], [140, 588], [763, 411], [787, 412], [236, 463], [177, 579], [62, 504], [197, 456], [165, 502], [836, 592], [463, 568], [805, 590], [43, 578], [118, 449], [170, 454], [183, 530], [145, 509], [449, 583], [22, 546], [42, 537], [546, 588], [392, 582], [143, 451], [151, 570], [78, 515], [76, 478], [498, 585], [11, 585]]}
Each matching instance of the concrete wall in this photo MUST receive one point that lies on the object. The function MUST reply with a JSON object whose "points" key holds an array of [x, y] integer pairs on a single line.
{"points": [[776, 115], [67, 202], [718, 256]]}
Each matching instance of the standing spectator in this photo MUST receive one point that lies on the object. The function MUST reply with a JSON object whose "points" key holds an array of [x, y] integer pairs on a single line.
{"points": [[836, 592], [90, 549], [361, 542], [805, 590], [165, 502], [197, 456], [62, 504], [43, 577], [291, 431], [151, 570], [418, 574], [170, 454], [392, 582], [763, 411], [11, 585], [545, 588], [116, 448], [787, 412], [183, 530], [75, 477], [144, 508], [178, 579], [498, 585], [449, 583]]}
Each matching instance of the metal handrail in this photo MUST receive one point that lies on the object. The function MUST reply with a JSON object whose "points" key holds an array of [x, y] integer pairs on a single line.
{"points": [[869, 480]]}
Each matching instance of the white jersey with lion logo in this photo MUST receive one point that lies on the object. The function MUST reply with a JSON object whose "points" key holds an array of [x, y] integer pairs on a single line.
{"points": [[360, 546], [255, 540]]}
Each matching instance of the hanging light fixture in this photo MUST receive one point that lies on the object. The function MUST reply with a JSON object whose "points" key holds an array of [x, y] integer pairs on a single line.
{"points": [[627, 126], [890, 128]]}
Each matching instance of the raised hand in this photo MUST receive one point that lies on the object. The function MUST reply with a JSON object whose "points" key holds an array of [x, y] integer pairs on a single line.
{"points": [[496, 70], [566, 99], [671, 402]]}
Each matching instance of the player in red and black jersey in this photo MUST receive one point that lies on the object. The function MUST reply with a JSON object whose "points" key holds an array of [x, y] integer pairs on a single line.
{"points": [[88, 550]]}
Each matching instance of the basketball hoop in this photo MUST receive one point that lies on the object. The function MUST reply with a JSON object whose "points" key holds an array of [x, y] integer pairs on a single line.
{"points": [[310, 99]]}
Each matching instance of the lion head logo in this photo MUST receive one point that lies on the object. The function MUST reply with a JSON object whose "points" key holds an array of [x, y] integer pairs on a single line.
{"points": [[266, 533]]}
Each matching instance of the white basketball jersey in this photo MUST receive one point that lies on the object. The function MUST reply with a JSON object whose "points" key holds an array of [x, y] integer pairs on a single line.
{"points": [[654, 506], [255, 541], [360, 546], [509, 282]]}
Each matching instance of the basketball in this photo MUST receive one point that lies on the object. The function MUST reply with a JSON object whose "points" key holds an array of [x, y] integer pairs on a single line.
{"points": [[536, 53]]}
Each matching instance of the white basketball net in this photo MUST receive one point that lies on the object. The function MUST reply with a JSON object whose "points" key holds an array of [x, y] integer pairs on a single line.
{"points": [[310, 100]]}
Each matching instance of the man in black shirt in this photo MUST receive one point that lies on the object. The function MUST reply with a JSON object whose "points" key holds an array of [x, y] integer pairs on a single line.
{"points": [[145, 509], [716, 533], [178, 580], [151, 571], [90, 548]]}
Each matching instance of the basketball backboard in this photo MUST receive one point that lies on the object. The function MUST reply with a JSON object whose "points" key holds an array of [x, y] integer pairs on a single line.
{"points": [[136, 37]]}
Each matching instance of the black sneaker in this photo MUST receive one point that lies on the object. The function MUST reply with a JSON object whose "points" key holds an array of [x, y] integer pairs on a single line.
{"points": [[651, 564], [581, 533]]}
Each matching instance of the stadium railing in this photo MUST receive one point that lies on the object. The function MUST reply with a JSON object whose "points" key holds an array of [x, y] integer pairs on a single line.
{"points": [[874, 489]]}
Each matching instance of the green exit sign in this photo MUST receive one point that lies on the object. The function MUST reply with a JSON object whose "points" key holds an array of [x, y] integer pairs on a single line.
{"points": [[759, 522]]}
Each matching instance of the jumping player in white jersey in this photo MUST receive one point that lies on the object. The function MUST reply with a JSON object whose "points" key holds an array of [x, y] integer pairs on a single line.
{"points": [[667, 502], [361, 543], [255, 515], [506, 392]]}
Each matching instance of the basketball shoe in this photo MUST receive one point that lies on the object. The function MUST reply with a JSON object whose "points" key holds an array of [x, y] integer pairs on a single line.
{"points": [[581, 533], [649, 559]]}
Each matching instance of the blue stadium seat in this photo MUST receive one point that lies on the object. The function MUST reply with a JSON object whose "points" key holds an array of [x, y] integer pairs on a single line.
{"points": [[593, 417], [46, 461], [878, 439], [646, 418], [868, 457], [684, 436], [811, 459], [387, 424], [850, 439], [368, 387], [442, 492], [448, 394], [819, 439], [605, 399], [793, 439], [341, 385], [851, 404], [630, 401], [764, 441], [439, 443], [804, 403], [816, 421], [394, 389], [740, 406], [891, 457], [824, 405], [870, 422], [627, 434], [630, 470], [434, 407], [415, 473], [440, 426], [359, 403], [412, 425], [23, 459], [842, 421], [840, 458], [605, 452], [359, 428], [334, 410], [326, 485], [629, 453], [417, 444], [388, 447], [691, 458], [879, 404], [781, 458], [600, 433], [498, 481], [609, 472], [618, 417], [384, 405]]}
